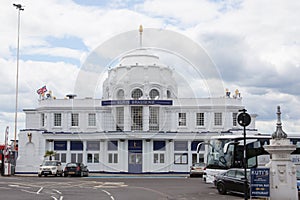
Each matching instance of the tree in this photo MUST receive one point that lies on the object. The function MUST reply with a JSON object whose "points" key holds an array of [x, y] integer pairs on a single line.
{"points": [[49, 154]]}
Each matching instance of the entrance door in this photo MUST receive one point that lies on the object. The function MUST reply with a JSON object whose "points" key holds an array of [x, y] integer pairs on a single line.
{"points": [[135, 156]]}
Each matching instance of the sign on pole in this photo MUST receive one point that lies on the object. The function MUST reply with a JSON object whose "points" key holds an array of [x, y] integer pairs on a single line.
{"points": [[6, 144], [260, 182]]}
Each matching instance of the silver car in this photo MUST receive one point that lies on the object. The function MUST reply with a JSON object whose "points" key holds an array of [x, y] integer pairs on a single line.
{"points": [[197, 169]]}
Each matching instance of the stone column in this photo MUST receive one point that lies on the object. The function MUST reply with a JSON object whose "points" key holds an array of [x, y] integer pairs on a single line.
{"points": [[283, 182]]}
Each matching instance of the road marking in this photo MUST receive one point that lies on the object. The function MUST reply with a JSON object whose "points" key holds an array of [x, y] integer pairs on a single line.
{"points": [[38, 192], [108, 193], [5, 188], [18, 186], [57, 191], [28, 191]]}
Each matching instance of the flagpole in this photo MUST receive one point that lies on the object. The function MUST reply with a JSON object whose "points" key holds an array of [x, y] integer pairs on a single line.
{"points": [[19, 7]]}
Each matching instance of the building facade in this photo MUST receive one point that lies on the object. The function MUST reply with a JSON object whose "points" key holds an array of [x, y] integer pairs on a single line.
{"points": [[138, 126]]}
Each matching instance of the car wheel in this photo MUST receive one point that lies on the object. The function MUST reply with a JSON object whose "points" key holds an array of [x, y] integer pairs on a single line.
{"points": [[39, 175], [221, 188]]}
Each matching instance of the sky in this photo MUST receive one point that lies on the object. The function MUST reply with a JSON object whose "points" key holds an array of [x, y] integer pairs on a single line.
{"points": [[254, 45]]}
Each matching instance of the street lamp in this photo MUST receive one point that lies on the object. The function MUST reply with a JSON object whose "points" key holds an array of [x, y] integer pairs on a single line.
{"points": [[244, 119], [19, 7]]}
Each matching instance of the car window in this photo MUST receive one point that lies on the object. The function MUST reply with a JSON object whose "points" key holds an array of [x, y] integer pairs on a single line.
{"points": [[231, 173], [49, 163], [71, 165], [240, 174]]}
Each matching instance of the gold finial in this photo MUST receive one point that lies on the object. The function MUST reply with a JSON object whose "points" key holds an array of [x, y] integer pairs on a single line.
{"points": [[141, 36], [141, 29]]}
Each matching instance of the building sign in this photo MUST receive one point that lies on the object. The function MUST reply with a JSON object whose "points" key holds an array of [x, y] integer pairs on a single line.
{"points": [[260, 182], [137, 102]]}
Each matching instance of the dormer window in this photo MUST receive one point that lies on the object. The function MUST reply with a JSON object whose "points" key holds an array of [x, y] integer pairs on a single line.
{"points": [[154, 94], [137, 94]]}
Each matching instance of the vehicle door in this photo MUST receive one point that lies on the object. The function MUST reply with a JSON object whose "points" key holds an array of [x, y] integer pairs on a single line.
{"points": [[229, 180], [239, 183]]}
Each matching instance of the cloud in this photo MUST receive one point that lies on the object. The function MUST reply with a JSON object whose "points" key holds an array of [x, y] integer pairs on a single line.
{"points": [[254, 45]]}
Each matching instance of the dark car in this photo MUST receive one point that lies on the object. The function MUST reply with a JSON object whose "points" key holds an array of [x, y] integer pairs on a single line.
{"points": [[298, 180], [76, 169], [233, 180]]}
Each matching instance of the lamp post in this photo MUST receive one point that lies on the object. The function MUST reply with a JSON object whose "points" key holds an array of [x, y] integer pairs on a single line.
{"points": [[244, 120], [19, 7]]}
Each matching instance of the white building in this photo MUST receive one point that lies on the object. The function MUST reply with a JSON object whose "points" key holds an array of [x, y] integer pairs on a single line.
{"points": [[139, 126]]}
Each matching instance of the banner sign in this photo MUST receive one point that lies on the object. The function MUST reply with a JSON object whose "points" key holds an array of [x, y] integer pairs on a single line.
{"points": [[260, 182], [5, 153], [137, 102]]}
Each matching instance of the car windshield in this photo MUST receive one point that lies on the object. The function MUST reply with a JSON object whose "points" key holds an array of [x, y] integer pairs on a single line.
{"points": [[298, 174], [71, 165], [199, 165], [50, 163]]}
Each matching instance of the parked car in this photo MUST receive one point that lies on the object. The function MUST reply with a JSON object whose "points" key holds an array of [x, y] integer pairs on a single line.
{"points": [[76, 169], [197, 169], [298, 180], [233, 180], [50, 167]]}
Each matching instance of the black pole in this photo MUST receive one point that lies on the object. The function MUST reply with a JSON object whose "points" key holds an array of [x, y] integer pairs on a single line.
{"points": [[245, 166], [244, 120]]}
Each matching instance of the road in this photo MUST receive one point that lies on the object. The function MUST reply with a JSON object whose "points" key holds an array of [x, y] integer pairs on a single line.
{"points": [[108, 188]]}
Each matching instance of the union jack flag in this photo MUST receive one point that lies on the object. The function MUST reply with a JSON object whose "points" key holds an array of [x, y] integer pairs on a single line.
{"points": [[42, 90]]}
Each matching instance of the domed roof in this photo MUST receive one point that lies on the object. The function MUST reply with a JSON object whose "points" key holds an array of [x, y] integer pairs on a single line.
{"points": [[141, 56]]}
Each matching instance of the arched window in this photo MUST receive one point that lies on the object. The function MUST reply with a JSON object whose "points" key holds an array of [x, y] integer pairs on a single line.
{"points": [[137, 94], [120, 94], [168, 94], [154, 94]]}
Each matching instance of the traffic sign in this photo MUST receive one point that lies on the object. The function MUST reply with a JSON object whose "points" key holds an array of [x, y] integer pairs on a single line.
{"points": [[244, 119]]}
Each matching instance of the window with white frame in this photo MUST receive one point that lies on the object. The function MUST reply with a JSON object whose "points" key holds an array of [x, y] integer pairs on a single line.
{"points": [[93, 157], [42, 119], [234, 119], [137, 94], [154, 118], [180, 145], [199, 119], [159, 158], [180, 158], [168, 94], [91, 119], [120, 94], [154, 94], [120, 118], [159, 147], [136, 118], [181, 119], [93, 146], [112, 158], [57, 119], [62, 157], [76, 157], [74, 119], [218, 119]]}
